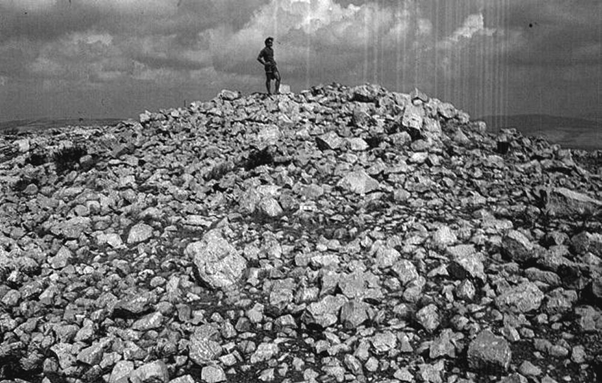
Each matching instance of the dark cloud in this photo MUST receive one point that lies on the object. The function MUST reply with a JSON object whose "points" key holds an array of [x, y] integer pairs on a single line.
{"points": [[472, 52]]}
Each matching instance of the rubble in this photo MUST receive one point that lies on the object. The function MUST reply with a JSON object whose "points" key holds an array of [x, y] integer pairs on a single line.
{"points": [[338, 234]]}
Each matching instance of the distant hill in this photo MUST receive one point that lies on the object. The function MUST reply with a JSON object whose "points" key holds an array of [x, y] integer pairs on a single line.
{"points": [[575, 133], [32, 125]]}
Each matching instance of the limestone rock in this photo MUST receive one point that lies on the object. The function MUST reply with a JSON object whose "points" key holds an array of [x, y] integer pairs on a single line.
{"points": [[520, 299], [518, 247], [153, 372], [563, 202], [489, 352], [216, 261], [359, 182], [324, 313], [139, 233]]}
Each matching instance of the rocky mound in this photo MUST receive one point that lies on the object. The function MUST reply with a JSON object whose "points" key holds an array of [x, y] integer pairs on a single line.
{"points": [[340, 234]]}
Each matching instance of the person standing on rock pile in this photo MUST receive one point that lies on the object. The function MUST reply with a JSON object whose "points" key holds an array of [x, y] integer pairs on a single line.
{"points": [[266, 58]]}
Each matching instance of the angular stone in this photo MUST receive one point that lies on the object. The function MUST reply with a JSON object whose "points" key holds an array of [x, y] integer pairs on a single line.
{"points": [[149, 322], [447, 110], [431, 373], [428, 317], [270, 207], [405, 271], [353, 314], [518, 247], [213, 374], [203, 349], [216, 261], [329, 141], [413, 117], [360, 285], [365, 93], [444, 237], [514, 378], [140, 232], [264, 352], [92, 355], [467, 266], [587, 242], [61, 259], [357, 144], [154, 372], [133, 305], [529, 369], [229, 95], [384, 342], [358, 182], [520, 299], [184, 379], [589, 318], [121, 372], [324, 313], [488, 352], [444, 345], [563, 202]]}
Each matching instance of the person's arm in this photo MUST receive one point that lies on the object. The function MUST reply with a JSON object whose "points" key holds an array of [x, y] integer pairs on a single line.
{"points": [[260, 58]]}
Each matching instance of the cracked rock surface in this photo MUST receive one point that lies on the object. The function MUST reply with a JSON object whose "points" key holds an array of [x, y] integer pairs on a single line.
{"points": [[342, 234]]}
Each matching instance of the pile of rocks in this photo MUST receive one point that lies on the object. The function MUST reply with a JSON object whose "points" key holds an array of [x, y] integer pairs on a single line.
{"points": [[340, 234]]}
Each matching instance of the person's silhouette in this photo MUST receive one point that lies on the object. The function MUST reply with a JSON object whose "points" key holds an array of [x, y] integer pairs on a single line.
{"points": [[266, 58]]}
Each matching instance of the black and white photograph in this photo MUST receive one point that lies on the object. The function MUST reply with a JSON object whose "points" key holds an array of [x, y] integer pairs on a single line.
{"points": [[290, 191]]}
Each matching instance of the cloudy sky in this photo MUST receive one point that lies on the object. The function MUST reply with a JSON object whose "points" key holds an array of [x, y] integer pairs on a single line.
{"points": [[116, 58]]}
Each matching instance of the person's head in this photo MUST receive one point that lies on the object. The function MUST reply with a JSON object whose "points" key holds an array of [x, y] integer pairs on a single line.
{"points": [[269, 41]]}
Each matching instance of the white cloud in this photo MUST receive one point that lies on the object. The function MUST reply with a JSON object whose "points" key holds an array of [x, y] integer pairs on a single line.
{"points": [[473, 25]]}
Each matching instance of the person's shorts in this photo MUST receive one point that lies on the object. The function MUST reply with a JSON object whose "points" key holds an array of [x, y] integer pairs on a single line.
{"points": [[271, 72]]}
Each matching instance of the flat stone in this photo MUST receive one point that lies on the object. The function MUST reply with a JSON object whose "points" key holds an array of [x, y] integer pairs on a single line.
{"points": [[529, 369], [149, 322], [358, 182], [140, 232]]}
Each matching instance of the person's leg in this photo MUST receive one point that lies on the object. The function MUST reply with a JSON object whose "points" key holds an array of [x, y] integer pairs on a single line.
{"points": [[267, 82], [277, 78]]}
